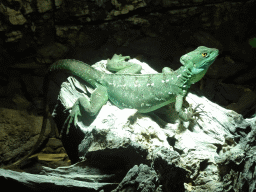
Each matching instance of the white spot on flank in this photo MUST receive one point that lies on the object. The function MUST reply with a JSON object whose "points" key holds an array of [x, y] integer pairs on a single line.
{"points": [[159, 99], [152, 84], [142, 104]]}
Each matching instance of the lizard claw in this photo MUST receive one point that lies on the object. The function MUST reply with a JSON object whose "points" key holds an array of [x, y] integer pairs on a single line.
{"points": [[72, 118], [194, 113]]}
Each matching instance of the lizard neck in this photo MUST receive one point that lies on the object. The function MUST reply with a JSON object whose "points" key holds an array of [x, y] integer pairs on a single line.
{"points": [[195, 78], [184, 76]]}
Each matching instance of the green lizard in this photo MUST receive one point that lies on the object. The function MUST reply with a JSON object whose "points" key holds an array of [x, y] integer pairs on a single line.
{"points": [[144, 92], [127, 89]]}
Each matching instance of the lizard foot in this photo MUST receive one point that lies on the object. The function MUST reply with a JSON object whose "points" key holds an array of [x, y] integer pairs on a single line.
{"points": [[192, 112], [72, 118]]}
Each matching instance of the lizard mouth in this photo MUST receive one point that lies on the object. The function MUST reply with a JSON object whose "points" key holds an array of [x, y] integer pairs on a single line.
{"points": [[215, 53]]}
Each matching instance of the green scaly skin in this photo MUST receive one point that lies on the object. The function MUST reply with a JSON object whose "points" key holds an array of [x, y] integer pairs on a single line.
{"points": [[144, 92], [127, 89]]}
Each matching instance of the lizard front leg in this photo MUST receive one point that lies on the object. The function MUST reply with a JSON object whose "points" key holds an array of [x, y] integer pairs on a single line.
{"points": [[184, 116], [85, 105]]}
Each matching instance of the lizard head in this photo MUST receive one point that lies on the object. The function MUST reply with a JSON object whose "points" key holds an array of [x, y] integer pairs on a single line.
{"points": [[198, 61]]}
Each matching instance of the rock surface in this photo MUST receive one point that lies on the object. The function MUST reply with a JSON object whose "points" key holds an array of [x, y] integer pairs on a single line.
{"points": [[124, 150]]}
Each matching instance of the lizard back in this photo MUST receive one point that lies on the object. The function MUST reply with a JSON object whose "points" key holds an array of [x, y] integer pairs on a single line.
{"points": [[146, 92]]}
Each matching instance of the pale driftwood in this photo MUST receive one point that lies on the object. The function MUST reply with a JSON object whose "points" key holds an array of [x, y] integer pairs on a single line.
{"points": [[195, 156]]}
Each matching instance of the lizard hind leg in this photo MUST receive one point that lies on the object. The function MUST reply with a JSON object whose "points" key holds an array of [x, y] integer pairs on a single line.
{"points": [[167, 70], [118, 64], [84, 105]]}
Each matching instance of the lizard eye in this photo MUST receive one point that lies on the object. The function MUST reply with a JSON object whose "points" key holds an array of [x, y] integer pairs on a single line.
{"points": [[204, 54]]}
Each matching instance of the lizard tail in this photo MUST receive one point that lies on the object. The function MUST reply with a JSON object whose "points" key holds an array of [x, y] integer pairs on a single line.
{"points": [[80, 69], [77, 68]]}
